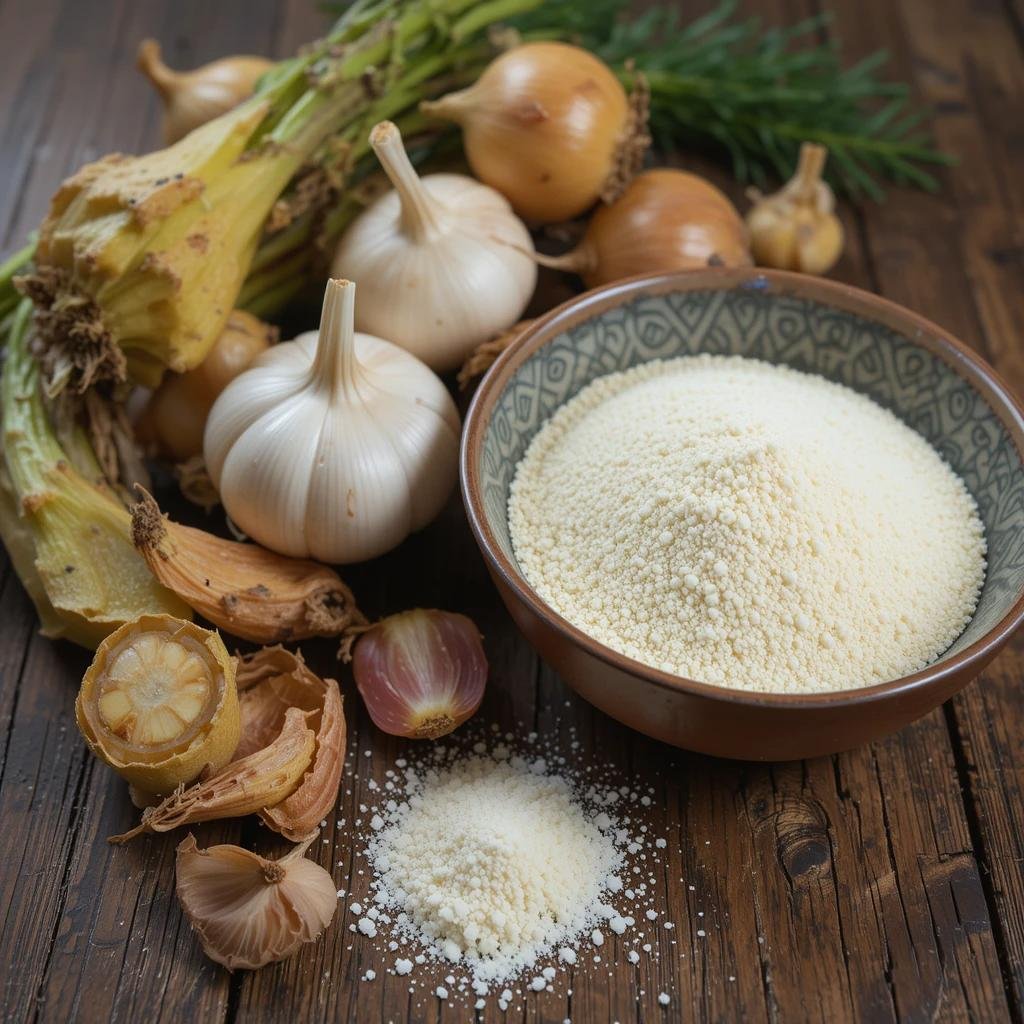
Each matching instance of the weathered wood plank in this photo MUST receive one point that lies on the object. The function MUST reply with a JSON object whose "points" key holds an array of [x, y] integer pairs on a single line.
{"points": [[968, 275]]}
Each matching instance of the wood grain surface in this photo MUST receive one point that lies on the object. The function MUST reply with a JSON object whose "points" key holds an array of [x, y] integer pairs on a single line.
{"points": [[882, 884]]}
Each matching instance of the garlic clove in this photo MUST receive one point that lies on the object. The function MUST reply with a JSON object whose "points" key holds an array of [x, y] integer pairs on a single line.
{"points": [[421, 673], [249, 911], [243, 588]]}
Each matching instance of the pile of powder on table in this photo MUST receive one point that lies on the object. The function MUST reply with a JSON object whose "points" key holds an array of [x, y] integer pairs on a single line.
{"points": [[747, 525], [494, 863]]}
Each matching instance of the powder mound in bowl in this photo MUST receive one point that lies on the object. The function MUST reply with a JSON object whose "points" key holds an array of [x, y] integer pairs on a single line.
{"points": [[493, 863], [747, 525]]}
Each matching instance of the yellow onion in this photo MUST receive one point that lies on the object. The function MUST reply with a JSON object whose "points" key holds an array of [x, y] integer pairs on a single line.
{"points": [[158, 703], [192, 98], [549, 126], [421, 673], [175, 417], [665, 220]]}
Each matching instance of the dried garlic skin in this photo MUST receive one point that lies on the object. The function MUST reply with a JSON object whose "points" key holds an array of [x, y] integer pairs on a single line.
{"points": [[158, 703], [272, 680], [249, 911], [244, 589], [421, 673], [251, 784]]}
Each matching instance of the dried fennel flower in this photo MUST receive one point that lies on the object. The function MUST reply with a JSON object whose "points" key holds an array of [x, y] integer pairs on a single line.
{"points": [[158, 703], [260, 780], [242, 588], [249, 911], [271, 681]]}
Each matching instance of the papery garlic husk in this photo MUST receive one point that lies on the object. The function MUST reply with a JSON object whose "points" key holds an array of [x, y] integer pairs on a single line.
{"points": [[421, 673], [249, 911], [175, 416], [270, 682], [192, 98], [549, 126], [665, 220], [335, 446], [796, 228], [243, 588], [253, 783], [158, 703], [439, 261]]}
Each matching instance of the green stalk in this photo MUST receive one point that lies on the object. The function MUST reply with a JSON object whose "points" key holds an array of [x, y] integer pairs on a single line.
{"points": [[69, 538]]}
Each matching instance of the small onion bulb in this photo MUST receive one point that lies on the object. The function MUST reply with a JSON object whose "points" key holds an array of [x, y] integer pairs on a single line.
{"points": [[549, 126], [192, 98], [665, 220], [442, 263], [334, 446]]}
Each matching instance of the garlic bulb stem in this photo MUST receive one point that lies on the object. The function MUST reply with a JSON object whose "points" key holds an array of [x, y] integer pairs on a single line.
{"points": [[422, 216], [809, 169], [335, 367]]}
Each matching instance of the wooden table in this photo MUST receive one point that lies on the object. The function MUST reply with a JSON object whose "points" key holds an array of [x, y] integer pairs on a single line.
{"points": [[883, 883]]}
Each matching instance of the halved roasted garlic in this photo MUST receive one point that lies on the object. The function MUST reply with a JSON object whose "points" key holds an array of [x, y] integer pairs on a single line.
{"points": [[158, 703], [249, 911]]}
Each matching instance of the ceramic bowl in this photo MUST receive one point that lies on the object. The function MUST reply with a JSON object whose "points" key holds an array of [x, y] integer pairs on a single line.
{"points": [[931, 381]]}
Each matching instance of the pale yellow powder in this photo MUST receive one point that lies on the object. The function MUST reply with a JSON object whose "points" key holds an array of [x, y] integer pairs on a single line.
{"points": [[747, 525]]}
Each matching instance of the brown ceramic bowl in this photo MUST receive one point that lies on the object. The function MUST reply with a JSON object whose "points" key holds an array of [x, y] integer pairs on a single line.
{"points": [[906, 363]]}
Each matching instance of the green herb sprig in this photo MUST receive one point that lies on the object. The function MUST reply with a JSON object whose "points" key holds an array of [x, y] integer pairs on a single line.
{"points": [[755, 92]]}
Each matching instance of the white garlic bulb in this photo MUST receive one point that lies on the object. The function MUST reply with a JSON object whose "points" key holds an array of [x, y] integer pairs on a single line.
{"points": [[333, 446], [441, 262]]}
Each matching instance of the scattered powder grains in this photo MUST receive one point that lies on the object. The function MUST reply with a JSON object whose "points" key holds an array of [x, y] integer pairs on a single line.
{"points": [[747, 525], [492, 863]]}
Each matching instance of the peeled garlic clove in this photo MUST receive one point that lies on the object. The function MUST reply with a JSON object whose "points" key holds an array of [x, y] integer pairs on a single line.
{"points": [[271, 681], [249, 911], [421, 672], [158, 703]]}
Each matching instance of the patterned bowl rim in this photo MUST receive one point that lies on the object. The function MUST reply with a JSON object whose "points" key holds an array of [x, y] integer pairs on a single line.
{"points": [[915, 328]]}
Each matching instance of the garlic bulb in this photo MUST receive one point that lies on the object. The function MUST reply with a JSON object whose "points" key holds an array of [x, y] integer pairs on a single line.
{"points": [[796, 228], [336, 446], [440, 261], [249, 911], [421, 673]]}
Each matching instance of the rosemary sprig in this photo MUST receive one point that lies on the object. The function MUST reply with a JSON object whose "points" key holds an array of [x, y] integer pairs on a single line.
{"points": [[754, 92]]}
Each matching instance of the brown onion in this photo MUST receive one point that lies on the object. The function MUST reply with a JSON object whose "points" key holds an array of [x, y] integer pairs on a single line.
{"points": [[192, 98], [549, 126], [175, 417], [665, 220]]}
